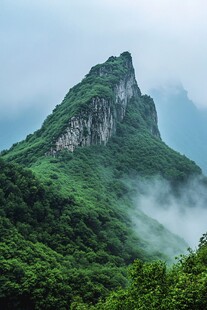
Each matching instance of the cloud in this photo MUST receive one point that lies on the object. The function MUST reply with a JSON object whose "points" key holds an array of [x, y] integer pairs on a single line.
{"points": [[48, 46], [183, 211]]}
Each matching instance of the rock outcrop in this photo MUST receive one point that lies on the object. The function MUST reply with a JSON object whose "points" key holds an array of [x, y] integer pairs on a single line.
{"points": [[94, 127]]}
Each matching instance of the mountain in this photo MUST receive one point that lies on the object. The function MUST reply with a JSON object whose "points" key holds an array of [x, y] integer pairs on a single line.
{"points": [[182, 124], [91, 110], [69, 224]]}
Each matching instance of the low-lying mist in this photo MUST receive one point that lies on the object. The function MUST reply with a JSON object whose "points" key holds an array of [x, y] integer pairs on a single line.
{"points": [[182, 210]]}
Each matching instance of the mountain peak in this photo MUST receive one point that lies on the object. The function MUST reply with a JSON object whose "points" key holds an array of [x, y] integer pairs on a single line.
{"points": [[127, 57], [107, 90], [123, 64], [93, 109]]}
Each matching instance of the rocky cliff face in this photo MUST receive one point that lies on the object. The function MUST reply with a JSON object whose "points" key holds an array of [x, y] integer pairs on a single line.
{"points": [[93, 127], [97, 123]]}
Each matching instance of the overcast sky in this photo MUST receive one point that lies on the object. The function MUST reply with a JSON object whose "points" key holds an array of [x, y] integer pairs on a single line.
{"points": [[47, 46]]}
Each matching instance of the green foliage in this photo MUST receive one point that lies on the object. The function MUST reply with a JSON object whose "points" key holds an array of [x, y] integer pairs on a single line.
{"points": [[153, 286]]}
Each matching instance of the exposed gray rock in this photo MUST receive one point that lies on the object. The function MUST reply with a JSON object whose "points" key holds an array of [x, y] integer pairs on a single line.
{"points": [[99, 122], [94, 127]]}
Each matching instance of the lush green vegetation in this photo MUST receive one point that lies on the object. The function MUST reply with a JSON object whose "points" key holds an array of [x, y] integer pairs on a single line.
{"points": [[79, 255], [53, 248], [66, 232], [56, 251], [154, 286]]}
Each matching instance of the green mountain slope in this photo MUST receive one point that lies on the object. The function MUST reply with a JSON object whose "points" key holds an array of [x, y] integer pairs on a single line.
{"points": [[78, 205], [53, 248]]}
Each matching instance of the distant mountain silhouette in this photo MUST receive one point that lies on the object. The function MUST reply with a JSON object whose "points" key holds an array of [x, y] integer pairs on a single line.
{"points": [[182, 125]]}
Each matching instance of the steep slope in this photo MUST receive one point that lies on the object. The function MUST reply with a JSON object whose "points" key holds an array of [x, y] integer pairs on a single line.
{"points": [[102, 135]]}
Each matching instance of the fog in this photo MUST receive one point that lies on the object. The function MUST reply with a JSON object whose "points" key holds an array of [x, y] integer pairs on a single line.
{"points": [[182, 211]]}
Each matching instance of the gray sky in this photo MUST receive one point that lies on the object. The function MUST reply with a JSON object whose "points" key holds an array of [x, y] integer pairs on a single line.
{"points": [[47, 46]]}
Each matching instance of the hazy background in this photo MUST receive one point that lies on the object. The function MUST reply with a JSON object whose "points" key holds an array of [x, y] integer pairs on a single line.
{"points": [[183, 213], [182, 125]]}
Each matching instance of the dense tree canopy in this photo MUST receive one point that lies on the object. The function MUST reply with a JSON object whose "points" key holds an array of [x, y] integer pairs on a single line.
{"points": [[154, 286]]}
